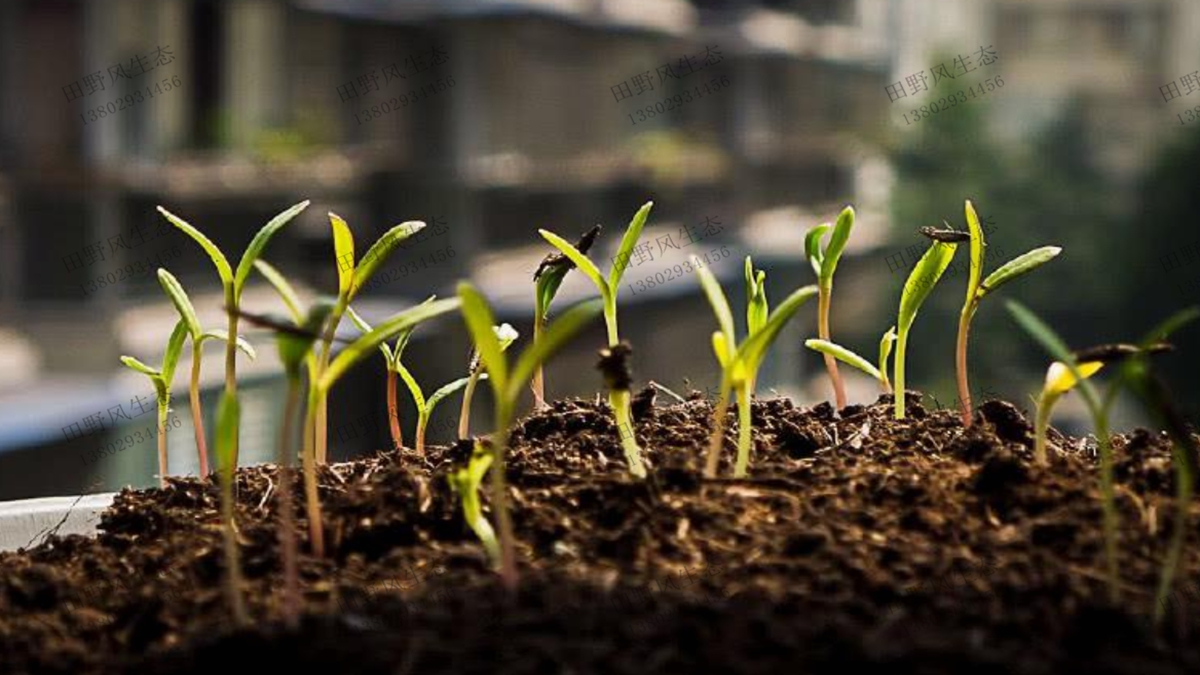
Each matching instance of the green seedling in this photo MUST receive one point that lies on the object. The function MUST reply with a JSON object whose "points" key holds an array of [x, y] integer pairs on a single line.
{"points": [[467, 482], [507, 335], [619, 399], [851, 359], [295, 349], [232, 283], [740, 364], [506, 386], [351, 279], [548, 277], [1059, 381], [161, 378], [353, 353], [824, 262], [976, 291], [1098, 407], [917, 288], [187, 313]]}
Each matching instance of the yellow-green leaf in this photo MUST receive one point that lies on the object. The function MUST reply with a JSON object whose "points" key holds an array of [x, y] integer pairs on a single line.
{"points": [[921, 281], [716, 298], [368, 343], [581, 261], [343, 251], [812, 246], [845, 356], [1020, 265], [380, 250], [283, 287], [179, 298], [977, 243], [478, 316], [837, 244], [259, 244], [628, 242], [224, 271]]}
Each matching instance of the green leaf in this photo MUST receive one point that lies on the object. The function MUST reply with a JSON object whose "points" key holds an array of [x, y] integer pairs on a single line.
{"points": [[259, 244], [223, 335], [449, 389], [756, 297], [812, 246], [977, 244], [628, 242], [479, 319], [228, 413], [343, 253], [413, 388], [1054, 345], [1018, 266], [223, 269], [722, 349], [380, 250], [174, 349], [360, 348], [716, 298], [845, 356], [365, 327], [885, 350], [581, 261], [557, 334], [921, 281], [179, 298], [1173, 323], [140, 367], [837, 244], [754, 349], [283, 287]]}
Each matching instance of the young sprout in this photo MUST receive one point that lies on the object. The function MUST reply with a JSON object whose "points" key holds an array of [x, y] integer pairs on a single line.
{"points": [[351, 279], [740, 363], [187, 313], [1098, 407], [1059, 381], [507, 335], [161, 378], [506, 386], [917, 288], [232, 283], [824, 263], [391, 358], [467, 482], [851, 359], [976, 291], [619, 399], [547, 279]]}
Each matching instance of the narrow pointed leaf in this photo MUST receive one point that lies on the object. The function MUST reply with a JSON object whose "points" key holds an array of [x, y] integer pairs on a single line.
{"points": [[581, 261], [180, 299], [844, 355], [754, 349], [1018, 266], [449, 389], [479, 319], [383, 247], [558, 333], [812, 246], [257, 245], [363, 346], [921, 281], [365, 327], [343, 253], [837, 243], [1054, 345], [1173, 323], [223, 335], [283, 287], [174, 349], [628, 242], [977, 243], [223, 269], [885, 349], [716, 298], [137, 365], [414, 388], [721, 348]]}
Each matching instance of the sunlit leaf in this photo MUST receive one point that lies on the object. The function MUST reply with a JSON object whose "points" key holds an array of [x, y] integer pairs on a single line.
{"points": [[140, 367], [977, 244], [343, 253], [845, 356], [282, 286], [581, 261], [174, 349], [628, 242], [1059, 379], [259, 244], [1018, 266], [885, 350], [479, 319], [223, 335], [414, 387], [380, 250], [223, 269], [812, 246], [447, 390], [921, 281], [364, 345], [1054, 345], [716, 298], [180, 299], [837, 243]]}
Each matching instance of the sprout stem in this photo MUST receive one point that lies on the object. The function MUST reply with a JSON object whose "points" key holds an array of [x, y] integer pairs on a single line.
{"points": [[744, 431], [824, 297], [718, 433], [537, 383], [508, 560], [197, 412], [231, 370], [393, 411], [163, 409], [464, 416], [619, 400], [422, 422], [960, 362], [312, 499], [901, 351], [1041, 426], [287, 524]]}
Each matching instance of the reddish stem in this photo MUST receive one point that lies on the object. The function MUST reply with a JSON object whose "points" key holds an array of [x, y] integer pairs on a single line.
{"points": [[823, 301], [394, 411], [960, 362]]}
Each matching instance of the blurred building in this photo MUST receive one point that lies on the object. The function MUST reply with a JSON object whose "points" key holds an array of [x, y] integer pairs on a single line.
{"points": [[743, 121]]}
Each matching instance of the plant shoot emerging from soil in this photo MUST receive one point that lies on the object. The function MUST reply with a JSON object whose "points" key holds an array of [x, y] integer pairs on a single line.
{"points": [[1059, 381], [824, 262], [161, 378], [976, 291], [851, 359], [619, 399], [467, 482], [548, 277], [740, 364], [507, 335], [917, 288], [506, 389]]}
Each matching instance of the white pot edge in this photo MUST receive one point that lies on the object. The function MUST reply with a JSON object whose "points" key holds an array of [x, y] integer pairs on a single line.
{"points": [[25, 522]]}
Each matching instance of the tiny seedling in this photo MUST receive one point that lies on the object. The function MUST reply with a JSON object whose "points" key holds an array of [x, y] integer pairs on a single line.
{"points": [[161, 378], [1098, 407], [507, 335], [619, 399], [187, 313], [467, 482], [917, 288], [548, 277], [1059, 381], [506, 386], [848, 357], [976, 292], [740, 363], [351, 279], [824, 262]]}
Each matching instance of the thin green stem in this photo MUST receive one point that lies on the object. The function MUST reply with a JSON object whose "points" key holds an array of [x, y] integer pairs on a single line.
{"points": [[422, 422], [744, 431], [537, 383], [230, 415], [464, 415], [285, 506], [960, 362], [197, 411], [312, 499], [394, 411], [508, 559], [824, 300], [1108, 503], [231, 372], [901, 351], [619, 400], [163, 408], [716, 440]]}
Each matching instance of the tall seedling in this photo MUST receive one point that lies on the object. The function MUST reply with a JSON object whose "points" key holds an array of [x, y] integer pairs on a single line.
{"points": [[824, 263], [917, 288], [161, 378], [548, 277]]}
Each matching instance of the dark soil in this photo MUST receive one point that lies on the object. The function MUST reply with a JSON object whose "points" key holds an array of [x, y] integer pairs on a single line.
{"points": [[857, 541]]}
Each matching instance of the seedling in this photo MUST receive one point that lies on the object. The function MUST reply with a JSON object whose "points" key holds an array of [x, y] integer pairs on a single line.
{"points": [[548, 277], [917, 288], [351, 279], [466, 482], [824, 263], [161, 378], [850, 358], [506, 388], [187, 313], [507, 335], [1059, 381], [391, 357], [232, 283], [976, 291], [619, 399], [740, 364], [1097, 407]]}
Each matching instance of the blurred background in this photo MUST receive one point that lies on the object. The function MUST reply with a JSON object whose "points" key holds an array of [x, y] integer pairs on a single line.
{"points": [[747, 122]]}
